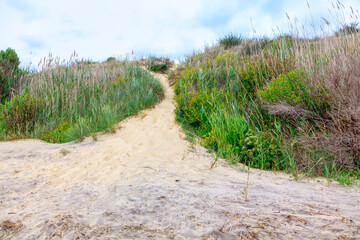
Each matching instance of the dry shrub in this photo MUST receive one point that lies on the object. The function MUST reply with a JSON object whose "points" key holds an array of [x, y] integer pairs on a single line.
{"points": [[152, 61], [343, 125], [332, 127]]}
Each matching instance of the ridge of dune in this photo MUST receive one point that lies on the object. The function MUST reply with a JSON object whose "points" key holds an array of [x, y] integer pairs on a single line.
{"points": [[145, 181]]}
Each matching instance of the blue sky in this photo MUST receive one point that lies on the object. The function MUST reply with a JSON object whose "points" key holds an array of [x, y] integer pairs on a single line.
{"points": [[98, 29]]}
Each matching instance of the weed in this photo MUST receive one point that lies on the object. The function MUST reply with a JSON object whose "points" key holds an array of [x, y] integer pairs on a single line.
{"points": [[246, 189], [64, 151]]}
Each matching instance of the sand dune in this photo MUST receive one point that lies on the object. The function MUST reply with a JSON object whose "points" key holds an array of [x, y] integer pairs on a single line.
{"points": [[146, 182]]}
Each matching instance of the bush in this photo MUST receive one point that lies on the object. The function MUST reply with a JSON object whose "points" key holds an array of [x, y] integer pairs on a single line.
{"points": [[230, 40], [110, 59], [158, 68], [196, 110], [290, 88], [9, 67], [19, 113], [56, 135]]}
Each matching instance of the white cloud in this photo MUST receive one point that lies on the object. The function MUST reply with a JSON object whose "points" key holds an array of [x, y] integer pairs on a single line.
{"points": [[99, 29]]}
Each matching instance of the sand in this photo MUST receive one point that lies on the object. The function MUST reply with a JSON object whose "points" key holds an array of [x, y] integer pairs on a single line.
{"points": [[146, 182]]}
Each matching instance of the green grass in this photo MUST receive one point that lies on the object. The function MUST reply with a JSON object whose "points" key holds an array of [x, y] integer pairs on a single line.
{"points": [[80, 99]]}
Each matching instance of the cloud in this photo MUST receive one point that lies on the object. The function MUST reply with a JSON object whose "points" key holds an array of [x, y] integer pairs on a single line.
{"points": [[99, 29]]}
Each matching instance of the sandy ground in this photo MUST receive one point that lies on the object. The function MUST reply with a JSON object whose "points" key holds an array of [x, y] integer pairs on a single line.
{"points": [[146, 182]]}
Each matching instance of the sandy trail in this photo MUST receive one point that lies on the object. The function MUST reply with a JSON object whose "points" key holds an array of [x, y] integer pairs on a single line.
{"points": [[146, 182]]}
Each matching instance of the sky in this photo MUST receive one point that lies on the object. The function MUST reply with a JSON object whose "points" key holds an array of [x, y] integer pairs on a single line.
{"points": [[98, 29]]}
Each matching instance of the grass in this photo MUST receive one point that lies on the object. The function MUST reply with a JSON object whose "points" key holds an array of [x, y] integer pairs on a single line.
{"points": [[289, 103], [78, 99]]}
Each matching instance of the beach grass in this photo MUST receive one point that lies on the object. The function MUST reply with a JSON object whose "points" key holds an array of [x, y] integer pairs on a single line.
{"points": [[74, 99]]}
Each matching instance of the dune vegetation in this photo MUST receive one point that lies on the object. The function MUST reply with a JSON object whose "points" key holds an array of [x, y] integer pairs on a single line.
{"points": [[288, 103], [65, 101]]}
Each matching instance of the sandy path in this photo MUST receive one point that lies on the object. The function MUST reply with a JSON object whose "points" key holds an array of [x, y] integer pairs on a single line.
{"points": [[146, 182]]}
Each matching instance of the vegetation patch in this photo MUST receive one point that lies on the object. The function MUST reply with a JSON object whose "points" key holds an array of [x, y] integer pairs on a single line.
{"points": [[158, 68], [62, 102], [230, 40], [286, 103]]}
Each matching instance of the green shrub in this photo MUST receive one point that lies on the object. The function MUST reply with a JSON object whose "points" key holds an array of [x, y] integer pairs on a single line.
{"points": [[230, 40], [196, 110], [19, 113], [290, 88], [9, 67], [158, 68], [110, 59], [56, 135]]}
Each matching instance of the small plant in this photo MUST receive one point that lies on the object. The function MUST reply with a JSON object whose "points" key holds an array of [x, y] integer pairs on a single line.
{"points": [[230, 40], [20, 112], [246, 189], [64, 151]]}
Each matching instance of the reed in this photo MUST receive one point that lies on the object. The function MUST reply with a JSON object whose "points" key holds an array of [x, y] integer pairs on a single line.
{"points": [[79, 97]]}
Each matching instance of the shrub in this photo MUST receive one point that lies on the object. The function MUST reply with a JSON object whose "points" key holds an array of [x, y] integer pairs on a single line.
{"points": [[290, 88], [9, 67], [110, 59], [156, 64], [195, 111], [158, 68], [20, 112], [56, 135], [230, 40]]}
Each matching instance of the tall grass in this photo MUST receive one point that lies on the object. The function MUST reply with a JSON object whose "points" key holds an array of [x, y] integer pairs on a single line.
{"points": [[81, 98], [289, 103]]}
